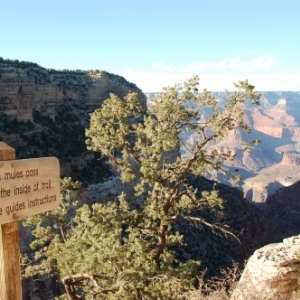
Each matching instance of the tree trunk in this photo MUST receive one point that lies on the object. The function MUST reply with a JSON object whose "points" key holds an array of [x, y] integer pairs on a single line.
{"points": [[162, 241]]}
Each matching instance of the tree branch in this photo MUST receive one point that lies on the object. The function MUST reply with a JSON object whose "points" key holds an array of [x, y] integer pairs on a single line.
{"points": [[212, 226]]}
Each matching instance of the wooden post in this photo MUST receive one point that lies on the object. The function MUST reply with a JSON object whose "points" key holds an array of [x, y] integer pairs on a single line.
{"points": [[10, 271], [27, 187]]}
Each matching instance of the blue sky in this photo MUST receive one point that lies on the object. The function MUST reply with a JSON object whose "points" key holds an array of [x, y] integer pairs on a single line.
{"points": [[155, 43]]}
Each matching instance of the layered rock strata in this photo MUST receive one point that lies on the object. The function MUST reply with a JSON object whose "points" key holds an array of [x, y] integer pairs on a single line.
{"points": [[269, 180], [25, 87]]}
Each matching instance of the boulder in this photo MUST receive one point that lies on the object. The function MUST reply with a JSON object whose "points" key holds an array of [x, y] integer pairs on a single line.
{"points": [[271, 273]]}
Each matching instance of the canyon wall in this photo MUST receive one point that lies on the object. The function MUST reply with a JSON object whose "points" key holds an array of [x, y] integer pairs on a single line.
{"points": [[25, 87], [59, 104], [275, 162], [278, 128]]}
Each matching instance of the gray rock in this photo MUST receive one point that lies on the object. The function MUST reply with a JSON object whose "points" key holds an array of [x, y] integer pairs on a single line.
{"points": [[271, 273]]}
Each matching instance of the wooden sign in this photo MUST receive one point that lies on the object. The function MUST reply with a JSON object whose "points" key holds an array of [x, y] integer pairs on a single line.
{"points": [[28, 187]]}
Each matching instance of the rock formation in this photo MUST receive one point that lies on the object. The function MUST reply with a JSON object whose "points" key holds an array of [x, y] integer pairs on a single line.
{"points": [[25, 87], [271, 273], [269, 180], [275, 162], [277, 125], [58, 103]]}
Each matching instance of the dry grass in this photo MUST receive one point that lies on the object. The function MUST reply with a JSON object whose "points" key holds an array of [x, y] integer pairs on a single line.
{"points": [[217, 288]]}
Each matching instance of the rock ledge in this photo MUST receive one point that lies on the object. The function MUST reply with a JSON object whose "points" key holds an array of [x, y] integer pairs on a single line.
{"points": [[271, 273]]}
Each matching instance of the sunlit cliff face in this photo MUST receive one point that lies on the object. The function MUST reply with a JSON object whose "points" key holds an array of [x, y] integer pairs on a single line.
{"points": [[273, 163], [29, 87]]}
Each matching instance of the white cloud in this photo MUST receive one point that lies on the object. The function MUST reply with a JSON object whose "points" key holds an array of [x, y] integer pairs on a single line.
{"points": [[262, 62], [197, 67], [152, 81], [261, 71], [228, 63], [163, 66]]}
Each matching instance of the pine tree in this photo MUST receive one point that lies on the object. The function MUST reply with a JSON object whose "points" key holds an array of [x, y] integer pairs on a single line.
{"points": [[128, 249]]}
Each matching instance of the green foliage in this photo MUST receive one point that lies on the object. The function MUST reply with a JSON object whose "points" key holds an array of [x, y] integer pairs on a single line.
{"points": [[96, 253], [143, 146], [63, 137], [18, 64], [12, 125], [51, 226], [41, 75], [128, 249], [140, 149]]}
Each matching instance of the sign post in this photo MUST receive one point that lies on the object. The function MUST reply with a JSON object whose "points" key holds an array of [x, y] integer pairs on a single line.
{"points": [[27, 187]]}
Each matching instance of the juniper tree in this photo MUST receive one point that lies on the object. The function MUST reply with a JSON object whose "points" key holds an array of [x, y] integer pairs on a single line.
{"points": [[139, 150], [126, 249]]}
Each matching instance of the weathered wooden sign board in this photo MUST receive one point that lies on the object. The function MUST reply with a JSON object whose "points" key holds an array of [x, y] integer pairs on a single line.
{"points": [[28, 187]]}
